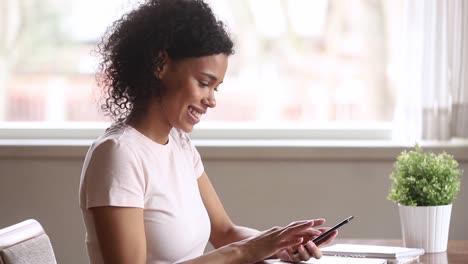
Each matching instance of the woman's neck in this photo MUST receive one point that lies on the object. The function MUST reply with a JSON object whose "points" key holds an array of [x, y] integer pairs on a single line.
{"points": [[152, 125]]}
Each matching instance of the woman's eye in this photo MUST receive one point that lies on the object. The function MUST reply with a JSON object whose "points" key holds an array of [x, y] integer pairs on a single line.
{"points": [[203, 84]]}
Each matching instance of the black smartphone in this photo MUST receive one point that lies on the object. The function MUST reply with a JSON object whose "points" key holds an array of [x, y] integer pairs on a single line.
{"points": [[325, 235]]}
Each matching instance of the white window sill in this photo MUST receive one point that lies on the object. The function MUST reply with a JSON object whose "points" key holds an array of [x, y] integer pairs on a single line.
{"points": [[243, 149]]}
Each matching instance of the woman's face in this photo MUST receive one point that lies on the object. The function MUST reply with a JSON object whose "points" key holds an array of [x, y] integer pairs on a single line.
{"points": [[191, 85]]}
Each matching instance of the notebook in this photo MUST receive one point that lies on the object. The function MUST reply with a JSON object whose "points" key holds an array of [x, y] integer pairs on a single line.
{"points": [[391, 254]]}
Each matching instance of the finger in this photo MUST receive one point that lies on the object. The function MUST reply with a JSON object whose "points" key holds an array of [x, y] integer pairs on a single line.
{"points": [[313, 250], [297, 223], [316, 232], [324, 229], [283, 255], [296, 227], [293, 257], [309, 237], [303, 228], [310, 234], [329, 239], [303, 253], [316, 222], [319, 221], [294, 241]]}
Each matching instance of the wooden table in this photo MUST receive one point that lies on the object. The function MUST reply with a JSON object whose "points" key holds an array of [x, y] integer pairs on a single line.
{"points": [[457, 250]]}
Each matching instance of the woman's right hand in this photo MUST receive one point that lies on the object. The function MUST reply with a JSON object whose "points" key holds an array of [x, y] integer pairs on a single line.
{"points": [[273, 240]]}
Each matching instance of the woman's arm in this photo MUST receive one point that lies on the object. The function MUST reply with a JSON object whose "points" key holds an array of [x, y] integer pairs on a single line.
{"points": [[121, 234], [223, 230]]}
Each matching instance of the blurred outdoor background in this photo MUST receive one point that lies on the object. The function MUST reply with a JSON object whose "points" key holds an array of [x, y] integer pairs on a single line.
{"points": [[304, 61]]}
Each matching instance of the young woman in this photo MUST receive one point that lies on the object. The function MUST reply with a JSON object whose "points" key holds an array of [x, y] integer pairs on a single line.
{"points": [[144, 194]]}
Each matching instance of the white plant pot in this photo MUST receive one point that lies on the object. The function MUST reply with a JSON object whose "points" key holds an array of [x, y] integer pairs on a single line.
{"points": [[425, 227]]}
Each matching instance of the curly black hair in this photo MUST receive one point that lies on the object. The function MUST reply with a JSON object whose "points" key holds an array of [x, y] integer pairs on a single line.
{"points": [[131, 50]]}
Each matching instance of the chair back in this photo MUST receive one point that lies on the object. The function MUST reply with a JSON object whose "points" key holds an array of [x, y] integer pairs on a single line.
{"points": [[25, 243]]}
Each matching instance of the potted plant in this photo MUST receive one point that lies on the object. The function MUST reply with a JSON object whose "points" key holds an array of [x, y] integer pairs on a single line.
{"points": [[424, 186]]}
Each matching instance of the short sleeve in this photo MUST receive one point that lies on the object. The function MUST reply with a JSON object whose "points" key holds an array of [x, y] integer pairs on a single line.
{"points": [[197, 162], [113, 177]]}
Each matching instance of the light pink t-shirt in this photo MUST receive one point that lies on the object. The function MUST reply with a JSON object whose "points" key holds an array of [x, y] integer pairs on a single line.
{"points": [[125, 168]]}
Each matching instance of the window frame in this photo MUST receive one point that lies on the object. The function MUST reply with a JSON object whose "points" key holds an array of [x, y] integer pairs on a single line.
{"points": [[353, 143], [208, 131]]}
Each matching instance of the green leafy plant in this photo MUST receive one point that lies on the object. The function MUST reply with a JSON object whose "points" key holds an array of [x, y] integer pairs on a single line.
{"points": [[424, 178]]}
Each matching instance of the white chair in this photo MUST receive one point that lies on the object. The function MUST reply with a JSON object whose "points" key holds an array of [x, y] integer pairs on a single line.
{"points": [[25, 243]]}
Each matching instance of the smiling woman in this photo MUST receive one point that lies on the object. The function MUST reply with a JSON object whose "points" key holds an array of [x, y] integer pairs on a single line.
{"points": [[190, 90], [196, 80], [143, 186]]}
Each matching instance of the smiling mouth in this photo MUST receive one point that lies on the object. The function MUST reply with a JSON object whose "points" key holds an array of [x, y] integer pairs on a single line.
{"points": [[195, 112]]}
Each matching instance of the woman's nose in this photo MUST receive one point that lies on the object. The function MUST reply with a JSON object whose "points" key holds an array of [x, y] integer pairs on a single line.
{"points": [[210, 100]]}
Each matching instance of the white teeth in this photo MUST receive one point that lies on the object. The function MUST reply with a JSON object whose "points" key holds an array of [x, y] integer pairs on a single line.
{"points": [[195, 113]]}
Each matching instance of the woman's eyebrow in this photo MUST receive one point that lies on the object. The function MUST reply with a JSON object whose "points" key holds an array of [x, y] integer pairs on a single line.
{"points": [[211, 76]]}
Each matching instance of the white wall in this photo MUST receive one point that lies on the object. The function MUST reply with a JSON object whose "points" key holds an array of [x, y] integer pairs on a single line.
{"points": [[258, 189]]}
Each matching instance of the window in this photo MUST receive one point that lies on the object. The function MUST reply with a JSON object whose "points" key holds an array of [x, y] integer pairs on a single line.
{"points": [[298, 63]]}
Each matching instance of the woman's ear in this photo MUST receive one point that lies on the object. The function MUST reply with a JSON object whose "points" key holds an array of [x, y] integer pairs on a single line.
{"points": [[161, 68]]}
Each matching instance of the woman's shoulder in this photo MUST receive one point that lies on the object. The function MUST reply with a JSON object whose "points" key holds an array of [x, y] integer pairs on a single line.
{"points": [[117, 137], [122, 136]]}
